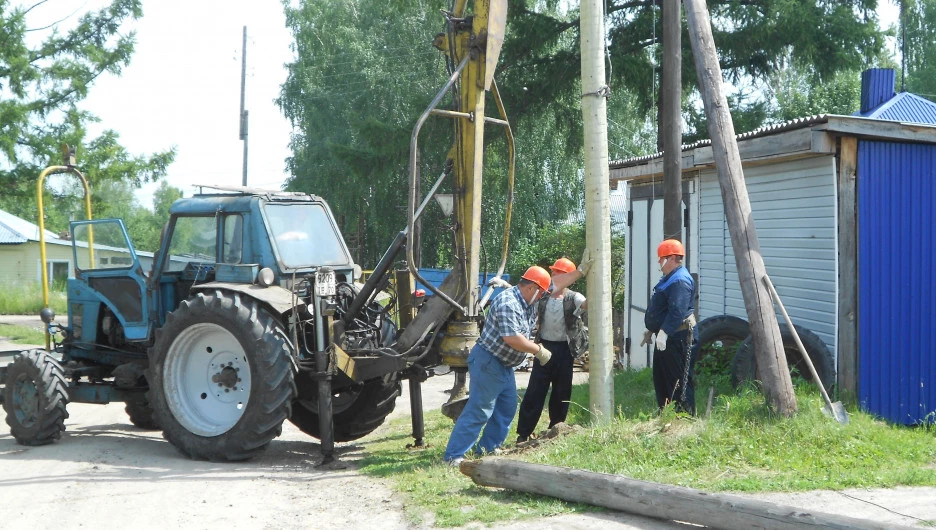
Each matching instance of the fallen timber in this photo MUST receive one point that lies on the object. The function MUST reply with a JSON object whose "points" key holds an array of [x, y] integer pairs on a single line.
{"points": [[650, 499]]}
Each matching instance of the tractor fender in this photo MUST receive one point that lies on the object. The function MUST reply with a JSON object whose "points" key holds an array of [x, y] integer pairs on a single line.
{"points": [[279, 299]]}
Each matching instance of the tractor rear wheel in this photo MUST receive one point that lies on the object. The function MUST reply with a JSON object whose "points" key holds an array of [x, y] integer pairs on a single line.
{"points": [[221, 377], [35, 397], [356, 410]]}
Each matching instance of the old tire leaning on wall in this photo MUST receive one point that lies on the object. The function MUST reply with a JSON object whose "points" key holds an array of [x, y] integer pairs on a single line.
{"points": [[356, 410], [35, 398], [744, 365], [719, 337], [221, 377]]}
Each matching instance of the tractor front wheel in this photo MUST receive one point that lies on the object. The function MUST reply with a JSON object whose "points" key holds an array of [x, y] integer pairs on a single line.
{"points": [[141, 415], [221, 377], [35, 397]]}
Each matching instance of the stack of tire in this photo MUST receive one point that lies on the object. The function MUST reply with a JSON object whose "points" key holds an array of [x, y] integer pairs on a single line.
{"points": [[732, 334]]}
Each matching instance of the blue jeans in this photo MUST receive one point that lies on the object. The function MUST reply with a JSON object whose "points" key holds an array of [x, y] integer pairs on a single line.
{"points": [[492, 402]]}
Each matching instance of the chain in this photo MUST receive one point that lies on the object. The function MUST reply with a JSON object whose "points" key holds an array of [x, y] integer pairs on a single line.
{"points": [[685, 378]]}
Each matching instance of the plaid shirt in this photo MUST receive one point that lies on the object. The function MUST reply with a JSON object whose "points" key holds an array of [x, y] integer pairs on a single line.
{"points": [[509, 315]]}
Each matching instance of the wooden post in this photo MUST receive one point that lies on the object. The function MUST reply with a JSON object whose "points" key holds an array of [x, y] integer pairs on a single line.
{"points": [[672, 120], [848, 268], [650, 499], [768, 346], [597, 212]]}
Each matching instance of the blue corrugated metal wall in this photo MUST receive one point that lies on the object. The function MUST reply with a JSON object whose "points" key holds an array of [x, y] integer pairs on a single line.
{"points": [[897, 280]]}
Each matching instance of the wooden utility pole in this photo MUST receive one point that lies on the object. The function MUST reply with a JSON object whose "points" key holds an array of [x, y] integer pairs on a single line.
{"points": [[672, 120], [651, 499], [597, 211], [768, 346]]}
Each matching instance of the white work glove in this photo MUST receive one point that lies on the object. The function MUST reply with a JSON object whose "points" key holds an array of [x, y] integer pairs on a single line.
{"points": [[661, 340], [499, 282], [543, 355], [647, 338], [586, 263]]}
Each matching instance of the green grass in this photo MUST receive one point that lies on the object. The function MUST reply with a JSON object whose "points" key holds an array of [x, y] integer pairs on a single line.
{"points": [[22, 334], [26, 299], [741, 447]]}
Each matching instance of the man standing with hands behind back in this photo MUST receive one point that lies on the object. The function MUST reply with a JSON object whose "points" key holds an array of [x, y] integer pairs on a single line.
{"points": [[671, 315], [492, 386]]}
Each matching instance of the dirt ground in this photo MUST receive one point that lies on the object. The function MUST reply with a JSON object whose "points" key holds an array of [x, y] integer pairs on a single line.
{"points": [[104, 471]]}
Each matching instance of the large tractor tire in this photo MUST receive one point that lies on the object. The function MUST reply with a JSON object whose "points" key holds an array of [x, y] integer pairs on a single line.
{"points": [[744, 366], [35, 398], [141, 415], [719, 337], [221, 378], [356, 410]]}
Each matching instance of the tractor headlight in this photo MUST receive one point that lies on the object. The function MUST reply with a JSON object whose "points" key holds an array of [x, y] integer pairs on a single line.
{"points": [[265, 277]]}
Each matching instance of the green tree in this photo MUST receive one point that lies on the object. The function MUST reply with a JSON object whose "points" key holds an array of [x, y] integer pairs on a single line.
{"points": [[754, 39], [42, 82], [797, 94], [919, 44], [364, 73], [567, 240]]}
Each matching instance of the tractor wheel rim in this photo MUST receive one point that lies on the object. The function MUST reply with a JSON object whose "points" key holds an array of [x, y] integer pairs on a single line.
{"points": [[26, 401], [206, 379]]}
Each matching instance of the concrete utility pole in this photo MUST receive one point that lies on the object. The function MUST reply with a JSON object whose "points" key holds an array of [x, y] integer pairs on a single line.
{"points": [[243, 112], [597, 211], [672, 120], [768, 346]]}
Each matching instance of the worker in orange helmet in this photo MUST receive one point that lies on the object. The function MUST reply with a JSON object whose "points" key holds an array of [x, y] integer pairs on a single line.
{"points": [[492, 388], [559, 329], [671, 317]]}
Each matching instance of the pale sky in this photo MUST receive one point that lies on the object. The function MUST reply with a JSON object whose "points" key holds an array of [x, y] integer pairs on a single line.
{"points": [[182, 87]]}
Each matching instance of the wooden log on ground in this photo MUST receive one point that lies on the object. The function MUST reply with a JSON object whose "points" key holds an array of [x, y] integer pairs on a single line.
{"points": [[650, 499]]}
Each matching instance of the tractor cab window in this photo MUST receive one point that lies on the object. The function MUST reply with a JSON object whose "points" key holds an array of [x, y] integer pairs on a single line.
{"points": [[103, 241], [304, 235], [194, 240], [232, 248]]}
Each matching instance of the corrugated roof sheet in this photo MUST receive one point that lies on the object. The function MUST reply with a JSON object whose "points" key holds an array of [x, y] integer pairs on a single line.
{"points": [[14, 230], [763, 131], [905, 107], [10, 237]]}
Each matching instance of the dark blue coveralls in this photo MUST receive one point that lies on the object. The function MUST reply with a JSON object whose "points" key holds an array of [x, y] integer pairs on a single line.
{"points": [[673, 300]]}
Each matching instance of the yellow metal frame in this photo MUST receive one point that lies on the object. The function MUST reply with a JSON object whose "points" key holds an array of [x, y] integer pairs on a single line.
{"points": [[52, 170]]}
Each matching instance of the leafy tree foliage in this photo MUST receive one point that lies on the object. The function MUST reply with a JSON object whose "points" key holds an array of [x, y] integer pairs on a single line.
{"points": [[919, 45], [754, 39], [567, 240], [42, 83], [365, 71], [797, 94]]}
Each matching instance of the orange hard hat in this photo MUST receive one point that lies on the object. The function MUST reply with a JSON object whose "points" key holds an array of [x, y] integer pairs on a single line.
{"points": [[562, 265], [670, 247], [537, 275]]}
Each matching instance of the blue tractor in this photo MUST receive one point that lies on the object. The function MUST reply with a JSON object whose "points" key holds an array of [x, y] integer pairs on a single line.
{"points": [[215, 344]]}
